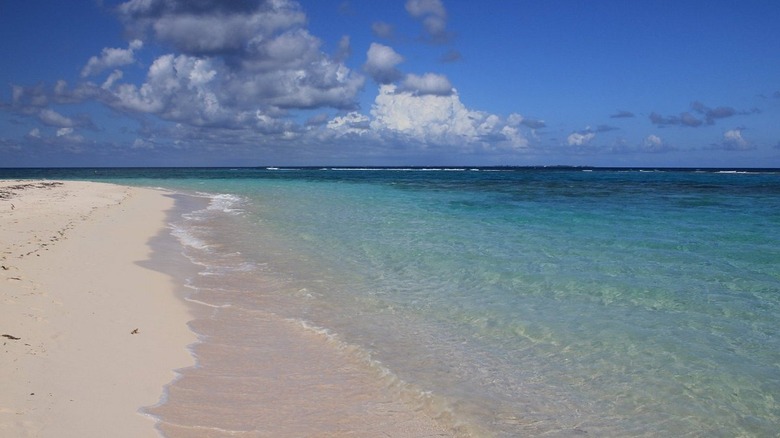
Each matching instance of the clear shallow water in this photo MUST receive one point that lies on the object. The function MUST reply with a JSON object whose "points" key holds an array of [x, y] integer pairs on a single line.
{"points": [[528, 302]]}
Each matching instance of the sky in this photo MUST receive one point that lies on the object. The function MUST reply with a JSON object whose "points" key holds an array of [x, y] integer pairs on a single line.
{"points": [[673, 83]]}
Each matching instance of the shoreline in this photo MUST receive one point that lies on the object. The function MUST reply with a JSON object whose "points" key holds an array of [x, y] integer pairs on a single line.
{"points": [[90, 335], [259, 373], [102, 340]]}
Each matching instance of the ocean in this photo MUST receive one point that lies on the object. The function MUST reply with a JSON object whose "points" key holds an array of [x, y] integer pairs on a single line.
{"points": [[502, 302]]}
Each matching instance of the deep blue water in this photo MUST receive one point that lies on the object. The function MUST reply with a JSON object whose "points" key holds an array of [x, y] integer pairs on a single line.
{"points": [[565, 301]]}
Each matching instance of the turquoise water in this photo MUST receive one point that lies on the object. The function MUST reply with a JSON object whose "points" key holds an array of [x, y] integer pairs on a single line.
{"points": [[523, 302]]}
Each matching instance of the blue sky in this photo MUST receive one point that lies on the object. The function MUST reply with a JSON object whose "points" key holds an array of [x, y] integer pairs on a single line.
{"points": [[390, 82]]}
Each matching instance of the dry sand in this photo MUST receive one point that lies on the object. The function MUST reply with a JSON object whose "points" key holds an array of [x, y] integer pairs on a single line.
{"points": [[88, 335]]}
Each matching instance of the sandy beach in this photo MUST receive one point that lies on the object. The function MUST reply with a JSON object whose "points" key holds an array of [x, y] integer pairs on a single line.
{"points": [[89, 336]]}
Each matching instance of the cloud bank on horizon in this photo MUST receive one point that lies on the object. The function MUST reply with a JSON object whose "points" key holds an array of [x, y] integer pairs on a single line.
{"points": [[251, 82]]}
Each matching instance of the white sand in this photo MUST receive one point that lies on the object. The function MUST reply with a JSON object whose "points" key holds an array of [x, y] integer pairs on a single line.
{"points": [[73, 293]]}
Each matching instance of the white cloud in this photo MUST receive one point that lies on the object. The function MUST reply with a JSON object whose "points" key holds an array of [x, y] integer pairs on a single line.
{"points": [[248, 66], [110, 58], [514, 138], [433, 15], [428, 83], [53, 118], [352, 123], [238, 79], [654, 143], [111, 79], [380, 63], [580, 138], [177, 88], [426, 118], [439, 120], [733, 140], [294, 49], [515, 119], [271, 125], [64, 132], [233, 59]]}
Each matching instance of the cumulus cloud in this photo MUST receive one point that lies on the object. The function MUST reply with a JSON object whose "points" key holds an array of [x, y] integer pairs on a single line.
{"points": [[53, 118], [427, 117], [211, 26], [176, 88], [351, 123], [64, 131], [433, 16], [437, 120], [111, 79], [110, 58], [734, 141], [381, 63], [585, 136], [656, 144], [232, 61], [234, 73], [580, 138], [429, 83], [653, 141], [65, 138]]}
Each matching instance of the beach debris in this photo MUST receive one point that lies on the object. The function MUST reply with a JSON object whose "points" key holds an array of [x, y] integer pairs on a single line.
{"points": [[134, 332], [13, 338], [8, 192]]}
